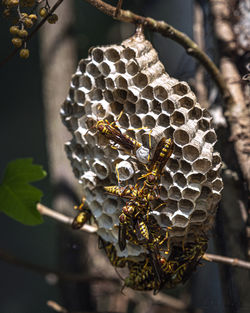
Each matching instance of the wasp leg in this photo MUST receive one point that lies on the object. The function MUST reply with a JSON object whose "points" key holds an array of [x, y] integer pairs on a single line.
{"points": [[155, 266], [122, 237], [149, 142], [117, 174]]}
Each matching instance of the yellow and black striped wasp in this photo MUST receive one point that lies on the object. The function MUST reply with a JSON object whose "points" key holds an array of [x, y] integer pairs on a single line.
{"points": [[112, 132], [111, 253], [129, 218], [188, 259], [194, 250], [150, 235], [135, 219], [138, 227], [141, 277], [150, 188], [83, 216], [185, 270], [143, 229], [127, 192]]}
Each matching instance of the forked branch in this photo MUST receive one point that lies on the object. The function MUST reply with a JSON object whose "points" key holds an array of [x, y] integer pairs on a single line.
{"points": [[168, 31]]}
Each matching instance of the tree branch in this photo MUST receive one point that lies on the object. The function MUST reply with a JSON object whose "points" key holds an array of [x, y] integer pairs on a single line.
{"points": [[168, 31], [118, 8], [226, 260], [63, 218], [238, 116], [39, 25], [157, 26]]}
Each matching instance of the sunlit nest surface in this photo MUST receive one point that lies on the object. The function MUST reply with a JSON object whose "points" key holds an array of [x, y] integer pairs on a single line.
{"points": [[129, 77]]}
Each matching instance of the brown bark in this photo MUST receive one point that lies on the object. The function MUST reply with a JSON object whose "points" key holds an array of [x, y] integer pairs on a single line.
{"points": [[238, 114], [199, 37]]}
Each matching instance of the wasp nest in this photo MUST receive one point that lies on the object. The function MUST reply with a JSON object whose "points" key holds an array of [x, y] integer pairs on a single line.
{"points": [[129, 78]]}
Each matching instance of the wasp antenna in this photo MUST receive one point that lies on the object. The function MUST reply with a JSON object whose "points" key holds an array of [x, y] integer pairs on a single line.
{"points": [[119, 116]]}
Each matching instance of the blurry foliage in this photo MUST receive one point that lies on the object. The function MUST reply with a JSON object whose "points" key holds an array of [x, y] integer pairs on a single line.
{"points": [[17, 197]]}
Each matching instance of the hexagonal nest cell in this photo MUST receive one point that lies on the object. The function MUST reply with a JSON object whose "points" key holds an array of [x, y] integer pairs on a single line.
{"points": [[129, 78]]}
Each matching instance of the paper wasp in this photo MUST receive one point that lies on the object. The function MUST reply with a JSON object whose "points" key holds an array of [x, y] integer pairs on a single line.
{"points": [[189, 259], [163, 151], [141, 277], [83, 216], [128, 192], [111, 253], [127, 220], [112, 132], [149, 190], [184, 271], [148, 235], [135, 217], [194, 250], [131, 219], [168, 267]]}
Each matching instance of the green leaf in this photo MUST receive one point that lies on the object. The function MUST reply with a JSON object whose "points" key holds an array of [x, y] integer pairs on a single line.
{"points": [[18, 198]]}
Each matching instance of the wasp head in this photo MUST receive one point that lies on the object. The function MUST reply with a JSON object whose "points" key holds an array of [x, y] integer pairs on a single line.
{"points": [[128, 210], [122, 218]]}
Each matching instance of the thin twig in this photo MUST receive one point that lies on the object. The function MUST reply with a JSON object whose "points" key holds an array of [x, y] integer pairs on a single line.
{"points": [[169, 31], [63, 218], [157, 26], [226, 260], [118, 8], [56, 307], [39, 25]]}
